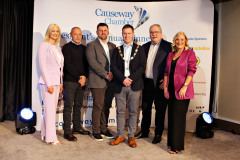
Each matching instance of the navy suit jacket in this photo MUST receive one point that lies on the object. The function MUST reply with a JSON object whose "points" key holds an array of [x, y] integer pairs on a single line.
{"points": [[159, 64], [137, 68]]}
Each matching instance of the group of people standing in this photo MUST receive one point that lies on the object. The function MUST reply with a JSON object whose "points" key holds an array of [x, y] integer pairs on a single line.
{"points": [[162, 71]]}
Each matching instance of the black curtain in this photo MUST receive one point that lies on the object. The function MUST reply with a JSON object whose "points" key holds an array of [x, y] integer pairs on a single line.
{"points": [[16, 31]]}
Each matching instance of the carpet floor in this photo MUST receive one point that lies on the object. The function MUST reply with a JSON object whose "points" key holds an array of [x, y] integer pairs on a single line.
{"points": [[223, 146]]}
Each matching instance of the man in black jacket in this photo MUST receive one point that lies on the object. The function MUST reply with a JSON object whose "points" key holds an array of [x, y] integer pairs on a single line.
{"points": [[128, 66], [156, 52], [75, 74]]}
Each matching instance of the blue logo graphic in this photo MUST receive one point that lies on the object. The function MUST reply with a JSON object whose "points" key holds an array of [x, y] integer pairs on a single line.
{"points": [[198, 61], [143, 16]]}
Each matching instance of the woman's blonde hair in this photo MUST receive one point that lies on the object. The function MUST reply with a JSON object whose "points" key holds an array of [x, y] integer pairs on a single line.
{"points": [[50, 27], [174, 48]]}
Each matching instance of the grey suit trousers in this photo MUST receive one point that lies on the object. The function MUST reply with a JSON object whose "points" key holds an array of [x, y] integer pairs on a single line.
{"points": [[129, 98]]}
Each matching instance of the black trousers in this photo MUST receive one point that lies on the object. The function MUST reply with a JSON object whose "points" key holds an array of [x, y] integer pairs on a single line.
{"points": [[102, 102], [73, 100], [153, 94], [177, 110]]}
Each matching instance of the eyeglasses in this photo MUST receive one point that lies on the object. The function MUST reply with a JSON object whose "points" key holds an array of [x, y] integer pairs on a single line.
{"points": [[156, 32]]}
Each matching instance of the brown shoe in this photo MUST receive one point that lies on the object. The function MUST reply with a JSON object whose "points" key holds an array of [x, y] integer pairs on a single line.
{"points": [[117, 140], [132, 142]]}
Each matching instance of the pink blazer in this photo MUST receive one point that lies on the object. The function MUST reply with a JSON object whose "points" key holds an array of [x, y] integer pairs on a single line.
{"points": [[51, 70], [186, 66]]}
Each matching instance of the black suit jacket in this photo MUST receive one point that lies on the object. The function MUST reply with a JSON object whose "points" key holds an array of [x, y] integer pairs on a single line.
{"points": [[159, 64], [137, 68]]}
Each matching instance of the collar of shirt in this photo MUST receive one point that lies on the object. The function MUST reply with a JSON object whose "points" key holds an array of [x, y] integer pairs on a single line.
{"points": [[75, 43], [158, 44], [124, 45], [102, 42]]}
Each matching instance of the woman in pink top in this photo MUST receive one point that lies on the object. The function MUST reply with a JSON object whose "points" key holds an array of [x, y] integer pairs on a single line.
{"points": [[51, 61], [178, 89]]}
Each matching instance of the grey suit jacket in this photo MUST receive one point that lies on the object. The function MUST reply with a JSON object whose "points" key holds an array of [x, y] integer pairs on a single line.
{"points": [[98, 63]]}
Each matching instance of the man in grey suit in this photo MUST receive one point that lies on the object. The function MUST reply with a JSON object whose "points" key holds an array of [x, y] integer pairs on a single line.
{"points": [[100, 79]]}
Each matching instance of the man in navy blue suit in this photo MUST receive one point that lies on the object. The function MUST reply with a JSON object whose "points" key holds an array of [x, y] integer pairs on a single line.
{"points": [[156, 52]]}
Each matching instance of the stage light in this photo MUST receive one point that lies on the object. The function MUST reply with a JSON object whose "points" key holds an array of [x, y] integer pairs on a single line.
{"points": [[204, 125], [26, 113], [25, 121]]}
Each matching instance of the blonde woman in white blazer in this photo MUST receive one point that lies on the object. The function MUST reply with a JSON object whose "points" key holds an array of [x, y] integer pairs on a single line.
{"points": [[51, 65]]}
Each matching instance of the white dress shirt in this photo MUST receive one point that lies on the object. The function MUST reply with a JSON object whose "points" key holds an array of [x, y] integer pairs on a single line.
{"points": [[106, 49], [127, 56], [150, 60]]}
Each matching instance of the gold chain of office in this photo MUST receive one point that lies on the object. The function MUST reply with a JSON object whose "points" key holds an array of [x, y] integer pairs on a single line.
{"points": [[135, 53]]}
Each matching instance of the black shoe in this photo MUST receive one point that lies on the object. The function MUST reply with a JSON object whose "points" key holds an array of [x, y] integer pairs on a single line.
{"points": [[97, 136], [107, 134], [81, 131], [141, 135], [70, 137], [157, 139]]}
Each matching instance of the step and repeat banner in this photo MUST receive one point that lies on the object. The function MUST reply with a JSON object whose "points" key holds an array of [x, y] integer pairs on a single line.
{"points": [[195, 18]]}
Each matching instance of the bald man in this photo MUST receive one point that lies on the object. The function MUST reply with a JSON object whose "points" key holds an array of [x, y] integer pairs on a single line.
{"points": [[75, 74]]}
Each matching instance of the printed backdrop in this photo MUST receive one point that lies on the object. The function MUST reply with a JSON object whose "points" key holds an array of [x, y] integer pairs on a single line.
{"points": [[193, 17]]}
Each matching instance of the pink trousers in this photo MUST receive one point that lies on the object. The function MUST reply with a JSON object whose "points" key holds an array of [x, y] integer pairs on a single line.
{"points": [[48, 129]]}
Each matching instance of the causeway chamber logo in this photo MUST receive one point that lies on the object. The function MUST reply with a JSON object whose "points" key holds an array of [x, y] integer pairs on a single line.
{"points": [[122, 18]]}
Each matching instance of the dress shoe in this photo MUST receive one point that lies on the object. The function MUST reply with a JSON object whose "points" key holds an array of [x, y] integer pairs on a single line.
{"points": [[107, 134], [157, 139], [81, 131], [117, 140], [132, 142], [70, 137], [97, 137], [141, 135]]}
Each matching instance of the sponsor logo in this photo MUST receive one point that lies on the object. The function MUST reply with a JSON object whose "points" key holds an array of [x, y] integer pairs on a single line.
{"points": [[200, 108], [200, 94], [198, 61], [191, 110], [201, 48], [197, 39]]}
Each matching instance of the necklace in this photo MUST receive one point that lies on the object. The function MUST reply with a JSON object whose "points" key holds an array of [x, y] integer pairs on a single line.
{"points": [[120, 52]]}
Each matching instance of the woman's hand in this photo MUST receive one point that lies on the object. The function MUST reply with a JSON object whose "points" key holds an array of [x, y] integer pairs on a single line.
{"points": [[165, 88], [182, 92], [166, 93], [50, 89]]}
